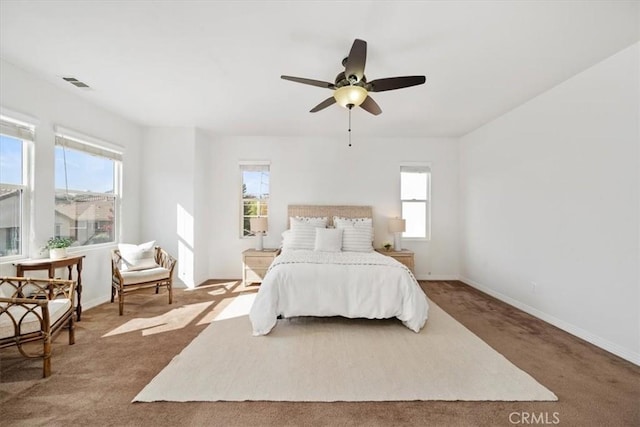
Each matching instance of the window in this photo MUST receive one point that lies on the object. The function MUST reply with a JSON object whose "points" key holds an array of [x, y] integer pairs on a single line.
{"points": [[14, 209], [86, 199], [415, 183], [255, 193]]}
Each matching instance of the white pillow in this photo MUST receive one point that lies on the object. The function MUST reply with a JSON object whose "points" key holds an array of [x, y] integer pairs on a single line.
{"points": [[357, 239], [137, 257], [303, 236], [314, 221], [328, 240], [286, 239], [341, 222]]}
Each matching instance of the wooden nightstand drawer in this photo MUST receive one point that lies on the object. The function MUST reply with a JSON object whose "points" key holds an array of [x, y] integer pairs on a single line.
{"points": [[404, 256], [408, 261], [258, 262]]}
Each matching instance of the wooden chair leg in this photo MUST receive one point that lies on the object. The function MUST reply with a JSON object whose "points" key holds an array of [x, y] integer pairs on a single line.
{"points": [[113, 292], [121, 302], [72, 331], [170, 289], [46, 357], [157, 288]]}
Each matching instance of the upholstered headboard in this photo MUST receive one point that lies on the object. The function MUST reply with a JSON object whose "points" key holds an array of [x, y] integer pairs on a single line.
{"points": [[329, 211]]}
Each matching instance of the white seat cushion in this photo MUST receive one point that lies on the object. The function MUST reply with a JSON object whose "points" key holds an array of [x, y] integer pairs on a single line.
{"points": [[142, 276], [31, 322]]}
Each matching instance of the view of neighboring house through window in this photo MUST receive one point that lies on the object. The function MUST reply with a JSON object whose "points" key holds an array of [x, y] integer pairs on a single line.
{"points": [[86, 199], [415, 183], [14, 137], [255, 193]]}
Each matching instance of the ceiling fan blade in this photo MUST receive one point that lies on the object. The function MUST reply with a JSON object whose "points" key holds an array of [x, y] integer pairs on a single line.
{"points": [[311, 82], [356, 60], [324, 104], [371, 106], [392, 83]]}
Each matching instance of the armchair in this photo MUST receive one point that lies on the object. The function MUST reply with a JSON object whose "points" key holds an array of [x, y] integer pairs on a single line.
{"points": [[159, 273], [35, 310]]}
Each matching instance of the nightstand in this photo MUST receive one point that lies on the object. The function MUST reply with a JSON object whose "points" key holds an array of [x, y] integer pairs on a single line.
{"points": [[256, 263], [404, 256]]}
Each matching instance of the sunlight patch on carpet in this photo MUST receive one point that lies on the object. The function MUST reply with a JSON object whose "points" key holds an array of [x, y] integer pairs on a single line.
{"points": [[239, 307], [176, 318]]}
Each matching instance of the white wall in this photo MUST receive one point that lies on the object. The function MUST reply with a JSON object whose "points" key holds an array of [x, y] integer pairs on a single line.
{"points": [[175, 212], [550, 205], [327, 171], [49, 105], [203, 205]]}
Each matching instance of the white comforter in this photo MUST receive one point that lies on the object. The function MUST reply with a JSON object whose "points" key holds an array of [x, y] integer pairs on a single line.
{"points": [[349, 284]]}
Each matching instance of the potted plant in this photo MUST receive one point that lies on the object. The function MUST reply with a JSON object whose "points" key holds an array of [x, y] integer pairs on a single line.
{"points": [[58, 247], [387, 246]]}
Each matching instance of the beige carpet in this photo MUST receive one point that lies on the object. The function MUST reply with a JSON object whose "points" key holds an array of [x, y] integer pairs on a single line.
{"points": [[335, 359]]}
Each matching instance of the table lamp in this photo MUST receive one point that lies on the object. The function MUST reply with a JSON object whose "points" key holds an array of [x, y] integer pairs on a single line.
{"points": [[397, 226], [258, 226]]}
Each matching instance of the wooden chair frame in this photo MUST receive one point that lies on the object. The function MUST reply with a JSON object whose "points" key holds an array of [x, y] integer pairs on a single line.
{"points": [[34, 296], [163, 259]]}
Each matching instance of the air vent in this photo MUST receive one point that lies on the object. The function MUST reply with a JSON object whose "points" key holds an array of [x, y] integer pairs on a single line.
{"points": [[76, 82]]}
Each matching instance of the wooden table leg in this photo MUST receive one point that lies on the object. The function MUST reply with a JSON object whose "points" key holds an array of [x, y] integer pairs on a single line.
{"points": [[79, 288]]}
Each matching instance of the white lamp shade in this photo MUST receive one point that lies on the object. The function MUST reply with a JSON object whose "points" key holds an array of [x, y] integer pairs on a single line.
{"points": [[258, 225], [397, 225], [346, 95]]}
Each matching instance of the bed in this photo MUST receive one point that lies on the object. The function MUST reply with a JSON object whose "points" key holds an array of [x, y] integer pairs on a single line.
{"points": [[330, 269]]}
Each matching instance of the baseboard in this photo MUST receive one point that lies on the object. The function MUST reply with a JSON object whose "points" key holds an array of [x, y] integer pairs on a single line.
{"points": [[86, 305], [437, 277], [559, 323]]}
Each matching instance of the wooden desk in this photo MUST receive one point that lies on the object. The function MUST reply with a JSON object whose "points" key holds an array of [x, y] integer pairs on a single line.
{"points": [[50, 265]]}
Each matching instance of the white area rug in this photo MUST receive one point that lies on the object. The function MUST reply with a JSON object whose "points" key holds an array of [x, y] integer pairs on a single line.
{"points": [[335, 359]]}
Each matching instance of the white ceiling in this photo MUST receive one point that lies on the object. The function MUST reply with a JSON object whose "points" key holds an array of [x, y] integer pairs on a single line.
{"points": [[216, 65]]}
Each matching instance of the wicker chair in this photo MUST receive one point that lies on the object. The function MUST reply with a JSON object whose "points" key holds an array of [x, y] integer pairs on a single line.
{"points": [[35, 310], [123, 282]]}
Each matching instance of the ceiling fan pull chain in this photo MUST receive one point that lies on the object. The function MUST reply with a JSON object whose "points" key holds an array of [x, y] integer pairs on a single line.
{"points": [[350, 107]]}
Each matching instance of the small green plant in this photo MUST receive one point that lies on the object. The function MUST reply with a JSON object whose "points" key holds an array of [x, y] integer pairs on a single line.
{"points": [[58, 242], [387, 246]]}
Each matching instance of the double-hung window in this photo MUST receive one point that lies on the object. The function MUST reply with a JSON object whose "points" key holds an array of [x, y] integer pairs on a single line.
{"points": [[255, 193], [87, 181], [415, 195], [15, 140]]}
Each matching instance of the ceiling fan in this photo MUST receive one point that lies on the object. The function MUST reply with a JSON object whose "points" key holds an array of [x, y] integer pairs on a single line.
{"points": [[351, 88]]}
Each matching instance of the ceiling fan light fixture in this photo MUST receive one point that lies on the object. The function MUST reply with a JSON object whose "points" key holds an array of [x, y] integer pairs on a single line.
{"points": [[350, 95]]}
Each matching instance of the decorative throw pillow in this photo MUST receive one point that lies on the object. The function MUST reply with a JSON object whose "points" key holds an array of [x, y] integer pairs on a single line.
{"points": [[328, 240], [286, 239], [341, 222], [314, 221], [303, 236], [137, 257], [357, 239]]}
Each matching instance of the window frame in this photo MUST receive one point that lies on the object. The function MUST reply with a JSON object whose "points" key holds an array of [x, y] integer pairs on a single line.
{"points": [[419, 167], [21, 128], [242, 167], [68, 139]]}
